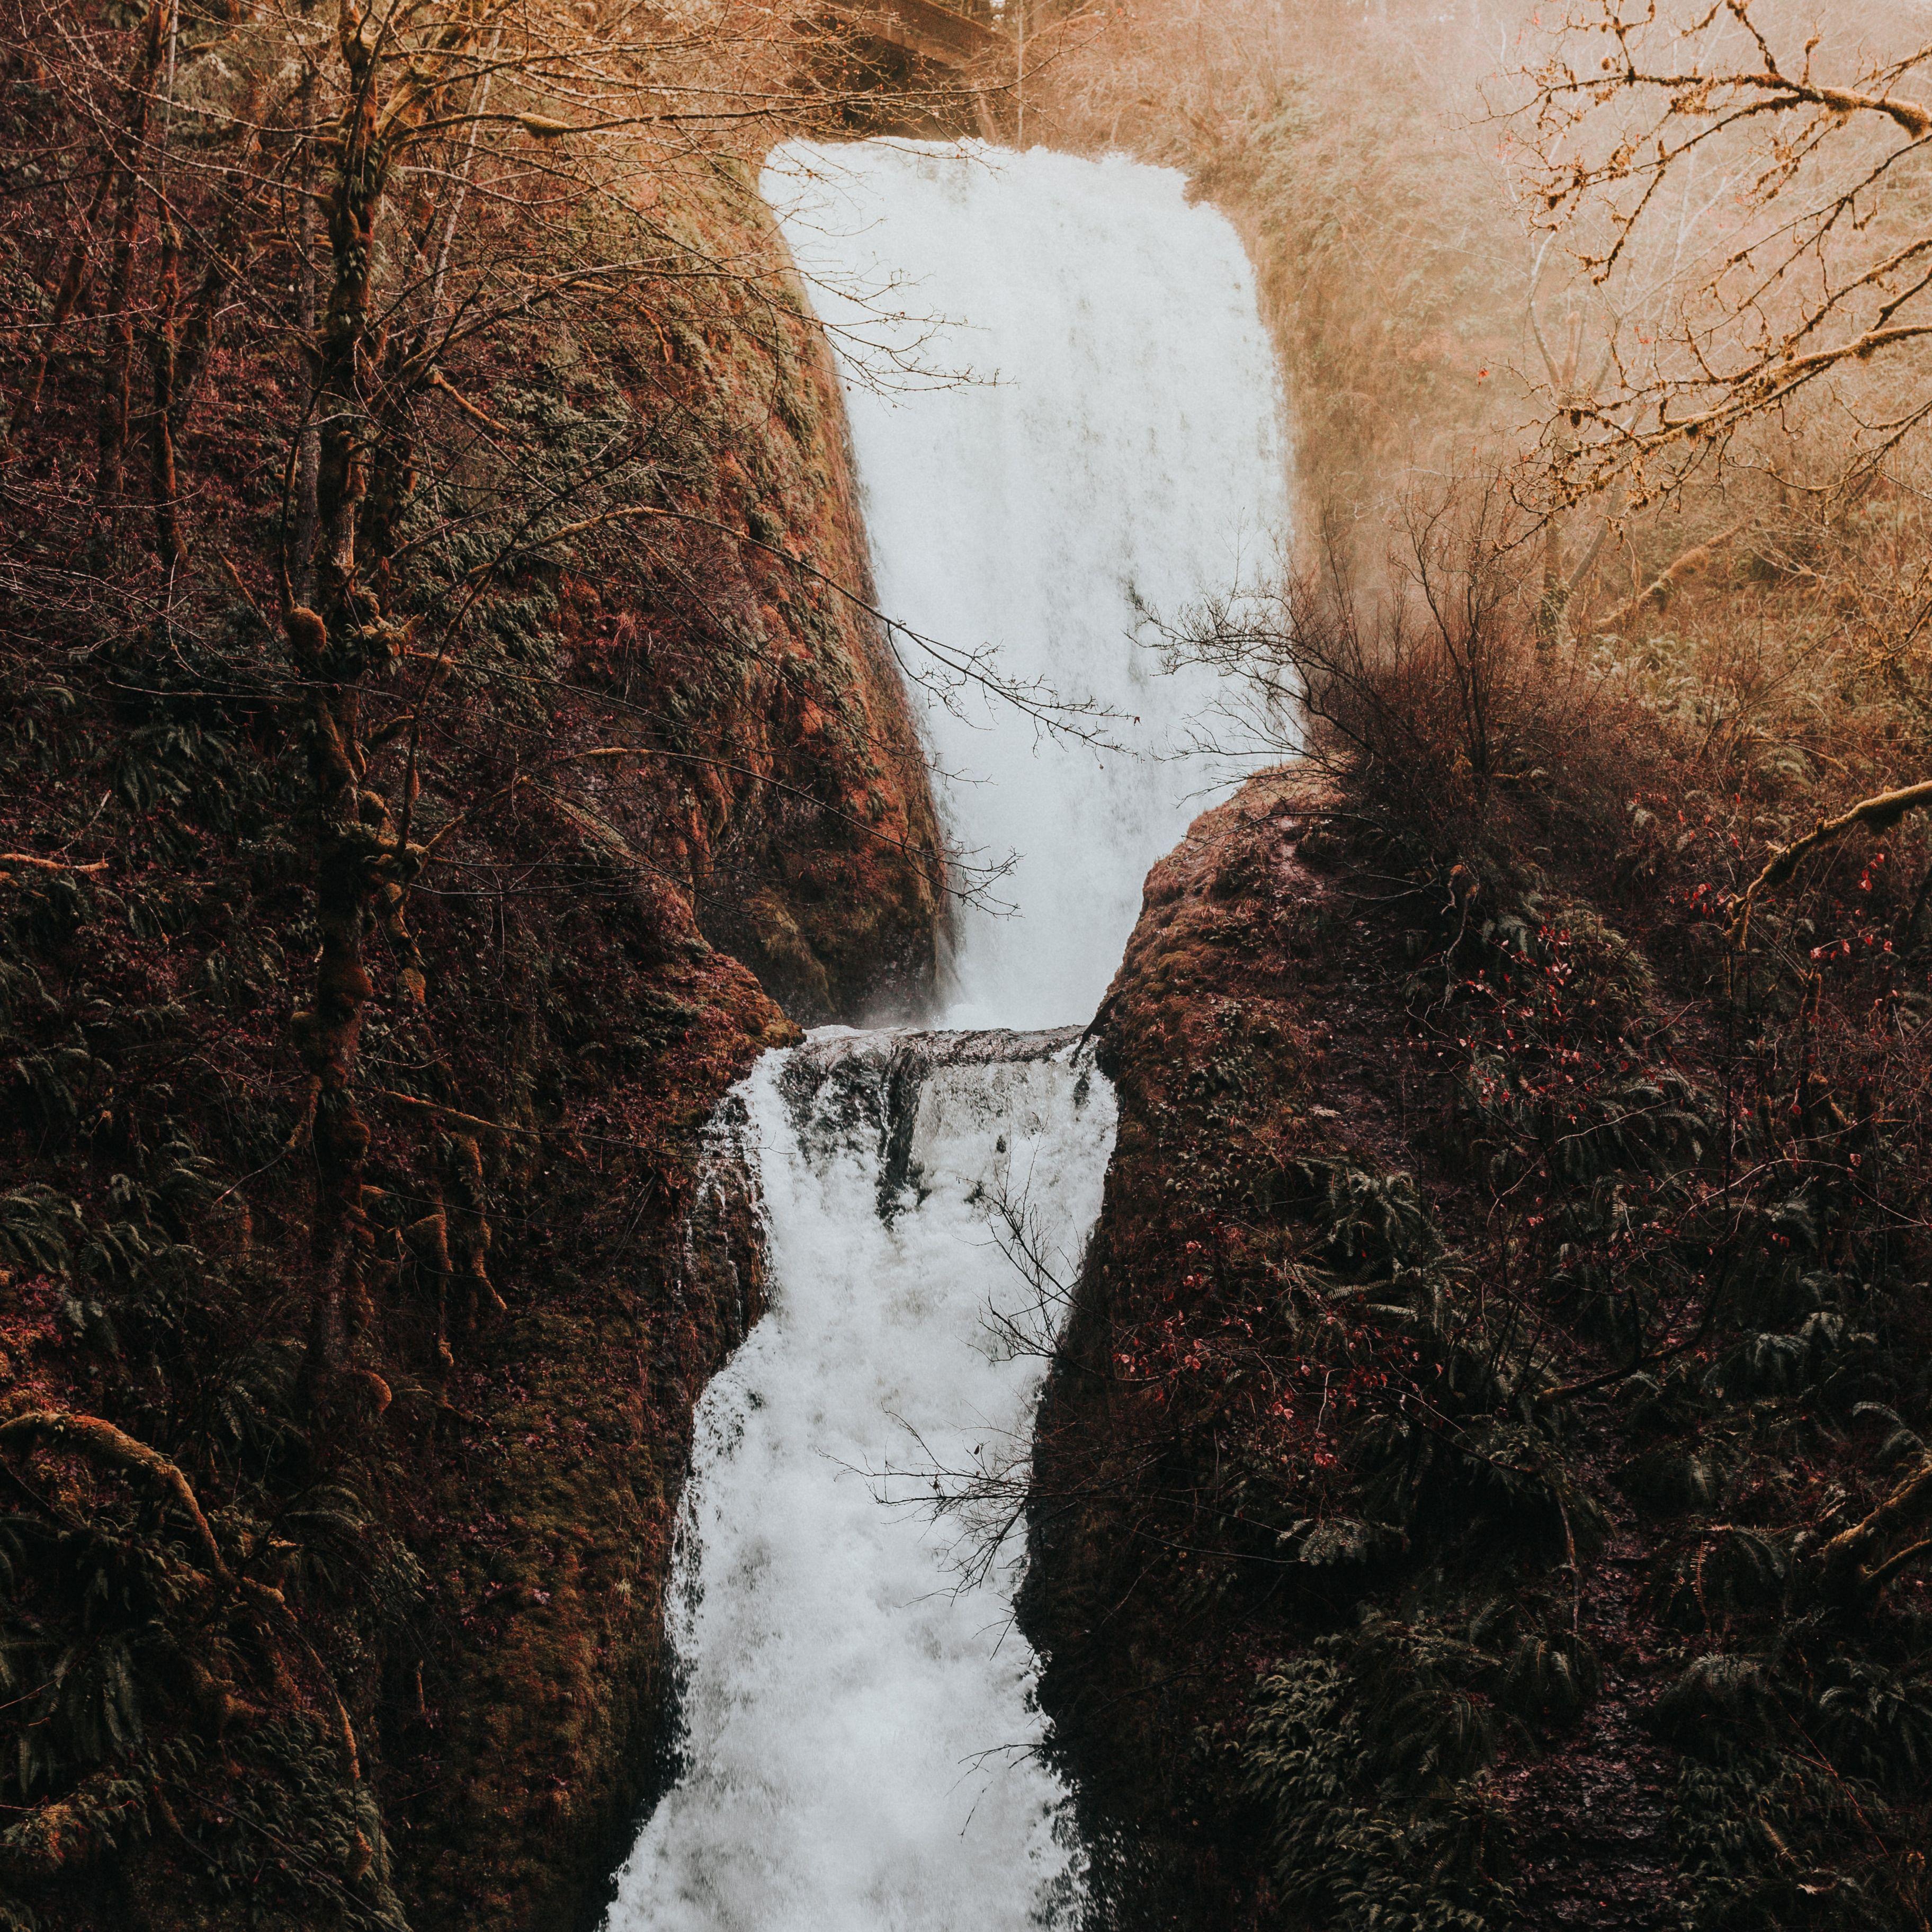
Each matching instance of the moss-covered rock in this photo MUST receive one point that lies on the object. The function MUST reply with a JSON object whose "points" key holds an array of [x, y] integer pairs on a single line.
{"points": [[1443, 1500]]}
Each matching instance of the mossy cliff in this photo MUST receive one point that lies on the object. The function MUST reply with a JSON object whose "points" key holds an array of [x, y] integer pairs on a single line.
{"points": [[1485, 1482], [387, 1650]]}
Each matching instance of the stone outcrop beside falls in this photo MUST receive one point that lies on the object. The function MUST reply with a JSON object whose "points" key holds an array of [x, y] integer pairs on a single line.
{"points": [[1444, 1497]]}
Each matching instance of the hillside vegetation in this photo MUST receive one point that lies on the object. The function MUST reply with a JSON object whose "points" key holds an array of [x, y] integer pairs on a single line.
{"points": [[1486, 1482], [443, 723]]}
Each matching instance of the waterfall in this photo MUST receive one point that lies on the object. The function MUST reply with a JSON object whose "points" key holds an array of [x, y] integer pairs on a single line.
{"points": [[1063, 410], [1062, 405], [842, 1694]]}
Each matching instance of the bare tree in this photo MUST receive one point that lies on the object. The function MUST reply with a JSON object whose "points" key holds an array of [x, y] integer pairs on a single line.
{"points": [[381, 201], [1569, 388], [1809, 285]]}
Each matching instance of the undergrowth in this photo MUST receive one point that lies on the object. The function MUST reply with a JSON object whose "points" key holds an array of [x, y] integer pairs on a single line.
{"points": [[1528, 1379], [362, 1630]]}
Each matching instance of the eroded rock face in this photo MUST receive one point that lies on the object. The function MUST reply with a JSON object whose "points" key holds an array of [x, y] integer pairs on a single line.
{"points": [[733, 813], [1218, 1032], [871, 1084], [794, 811], [1420, 1523]]}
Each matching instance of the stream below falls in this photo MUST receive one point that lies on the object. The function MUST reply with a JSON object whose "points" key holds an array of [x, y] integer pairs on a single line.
{"points": [[1064, 411]]}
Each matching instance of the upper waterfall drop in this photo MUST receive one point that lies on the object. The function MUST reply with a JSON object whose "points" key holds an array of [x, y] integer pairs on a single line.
{"points": [[1065, 411]]}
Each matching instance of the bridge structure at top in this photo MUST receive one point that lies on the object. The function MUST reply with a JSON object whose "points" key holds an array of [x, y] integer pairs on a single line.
{"points": [[955, 38]]}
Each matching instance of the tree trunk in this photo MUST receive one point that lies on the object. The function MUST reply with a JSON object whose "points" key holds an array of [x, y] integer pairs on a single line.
{"points": [[328, 642], [161, 428], [308, 448], [110, 475], [1552, 607], [118, 165], [67, 297]]}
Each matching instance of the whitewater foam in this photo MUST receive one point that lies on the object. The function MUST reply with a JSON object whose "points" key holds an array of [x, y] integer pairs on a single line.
{"points": [[858, 1723], [1064, 409]]}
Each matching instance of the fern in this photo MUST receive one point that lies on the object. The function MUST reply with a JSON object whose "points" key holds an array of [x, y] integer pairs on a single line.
{"points": [[1376, 1823], [1878, 1723], [36, 1226]]}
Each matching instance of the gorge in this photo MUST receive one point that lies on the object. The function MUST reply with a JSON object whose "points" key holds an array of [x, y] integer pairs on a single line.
{"points": [[795, 1136], [1064, 412]]}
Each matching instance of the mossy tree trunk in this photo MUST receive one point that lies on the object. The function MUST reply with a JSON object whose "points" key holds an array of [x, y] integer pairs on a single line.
{"points": [[336, 645]]}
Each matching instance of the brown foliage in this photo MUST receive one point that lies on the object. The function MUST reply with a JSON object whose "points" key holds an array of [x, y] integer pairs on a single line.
{"points": [[375, 767], [1430, 696], [1784, 151]]}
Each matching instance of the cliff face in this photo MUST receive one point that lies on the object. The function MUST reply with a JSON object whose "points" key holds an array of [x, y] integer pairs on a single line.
{"points": [[1482, 1484], [813, 848], [389, 1652]]}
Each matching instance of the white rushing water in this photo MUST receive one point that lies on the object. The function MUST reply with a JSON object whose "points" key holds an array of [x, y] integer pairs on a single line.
{"points": [[1117, 437], [860, 1746], [856, 1724]]}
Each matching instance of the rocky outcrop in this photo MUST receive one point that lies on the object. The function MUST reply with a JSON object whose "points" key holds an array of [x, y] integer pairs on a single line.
{"points": [[791, 809], [1218, 1032], [1436, 1497], [676, 806]]}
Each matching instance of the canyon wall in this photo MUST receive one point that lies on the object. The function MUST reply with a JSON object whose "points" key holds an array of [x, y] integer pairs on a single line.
{"points": [[1479, 1485], [393, 1655]]}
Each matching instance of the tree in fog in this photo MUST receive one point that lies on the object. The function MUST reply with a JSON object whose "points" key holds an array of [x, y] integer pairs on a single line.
{"points": [[1808, 284]]}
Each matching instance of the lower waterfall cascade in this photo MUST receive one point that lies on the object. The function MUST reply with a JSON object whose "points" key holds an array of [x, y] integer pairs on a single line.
{"points": [[858, 1746]]}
